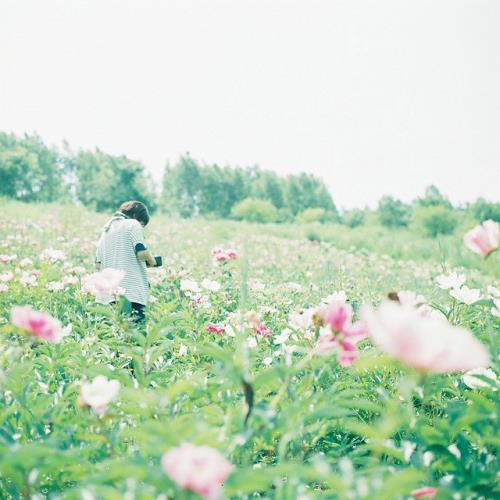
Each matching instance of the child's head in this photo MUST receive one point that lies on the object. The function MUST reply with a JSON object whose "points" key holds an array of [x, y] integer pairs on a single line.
{"points": [[135, 210]]}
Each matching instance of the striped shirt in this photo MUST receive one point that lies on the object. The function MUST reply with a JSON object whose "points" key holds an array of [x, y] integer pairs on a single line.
{"points": [[117, 248]]}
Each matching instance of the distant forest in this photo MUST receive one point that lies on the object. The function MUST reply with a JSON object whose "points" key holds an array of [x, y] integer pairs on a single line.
{"points": [[31, 171]]}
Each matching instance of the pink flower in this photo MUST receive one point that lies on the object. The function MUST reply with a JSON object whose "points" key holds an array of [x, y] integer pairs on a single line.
{"points": [[426, 491], [262, 329], [484, 238], [339, 333], [38, 323], [104, 284], [428, 343], [221, 255], [197, 468], [216, 328]]}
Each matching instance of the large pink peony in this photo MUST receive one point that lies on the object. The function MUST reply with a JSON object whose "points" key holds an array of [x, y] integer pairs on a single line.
{"points": [[104, 285], [197, 468], [483, 239], [424, 342], [38, 323]]}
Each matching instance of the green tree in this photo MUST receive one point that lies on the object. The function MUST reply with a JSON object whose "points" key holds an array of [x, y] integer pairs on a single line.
{"points": [[433, 198], [483, 210], [104, 181], [435, 220], [255, 210], [393, 212]]}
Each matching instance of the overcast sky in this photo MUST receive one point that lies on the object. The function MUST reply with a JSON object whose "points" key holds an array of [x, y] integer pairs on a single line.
{"points": [[376, 97]]}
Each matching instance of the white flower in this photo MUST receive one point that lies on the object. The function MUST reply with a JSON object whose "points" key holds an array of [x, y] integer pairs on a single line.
{"points": [[408, 448], [496, 309], [337, 296], [452, 280], [6, 277], [409, 298], [453, 449], [190, 286], [267, 361], [212, 286], [251, 342], [25, 262], [282, 337], [55, 286], [466, 295], [3, 287], [53, 255], [471, 381], [99, 393], [294, 286], [427, 458], [70, 280], [301, 320], [104, 285], [183, 350], [28, 280], [257, 286]]}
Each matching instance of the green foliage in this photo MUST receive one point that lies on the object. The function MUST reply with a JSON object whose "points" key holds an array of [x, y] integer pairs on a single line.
{"points": [[484, 210], [433, 220], [104, 181], [354, 217], [255, 210], [312, 215], [29, 170], [191, 189], [393, 212], [374, 430], [433, 198]]}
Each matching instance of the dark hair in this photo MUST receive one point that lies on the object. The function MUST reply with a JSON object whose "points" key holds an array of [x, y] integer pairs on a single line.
{"points": [[135, 210]]}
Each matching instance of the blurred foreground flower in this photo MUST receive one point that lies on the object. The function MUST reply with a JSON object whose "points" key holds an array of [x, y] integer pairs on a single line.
{"points": [[99, 393], [38, 323], [104, 285], [484, 238], [425, 492], [197, 468], [427, 343]]}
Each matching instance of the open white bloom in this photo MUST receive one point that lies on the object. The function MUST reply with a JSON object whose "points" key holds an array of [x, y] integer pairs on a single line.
{"points": [[99, 393], [190, 286], [495, 310], [471, 381], [452, 280], [493, 291], [301, 320], [282, 337], [212, 286], [466, 295], [338, 296]]}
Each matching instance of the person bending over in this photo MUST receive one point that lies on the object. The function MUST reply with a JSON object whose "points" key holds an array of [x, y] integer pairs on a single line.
{"points": [[121, 246]]}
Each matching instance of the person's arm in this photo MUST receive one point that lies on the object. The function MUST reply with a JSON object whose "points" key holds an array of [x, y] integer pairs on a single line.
{"points": [[140, 249], [147, 256]]}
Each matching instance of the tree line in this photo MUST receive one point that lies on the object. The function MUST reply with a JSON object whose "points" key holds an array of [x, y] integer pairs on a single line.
{"points": [[31, 171]]}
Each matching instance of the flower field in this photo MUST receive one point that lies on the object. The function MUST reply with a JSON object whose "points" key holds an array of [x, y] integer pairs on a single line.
{"points": [[271, 366]]}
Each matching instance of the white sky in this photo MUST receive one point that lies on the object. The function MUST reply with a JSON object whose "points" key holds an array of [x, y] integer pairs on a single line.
{"points": [[376, 97]]}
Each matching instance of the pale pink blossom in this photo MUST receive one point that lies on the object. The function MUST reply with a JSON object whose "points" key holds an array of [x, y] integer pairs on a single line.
{"points": [[38, 323], [70, 280], [409, 298], [189, 286], [6, 259], [212, 286], [28, 280], [99, 393], [6, 276], [337, 296], [104, 285], [427, 343], [424, 492], [53, 255], [484, 238], [200, 469], [3, 288], [55, 286], [26, 262]]}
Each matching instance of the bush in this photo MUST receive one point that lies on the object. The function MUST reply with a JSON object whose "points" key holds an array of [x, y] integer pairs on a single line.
{"points": [[311, 215], [313, 235], [255, 210], [483, 210], [354, 218], [435, 220], [393, 213]]}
